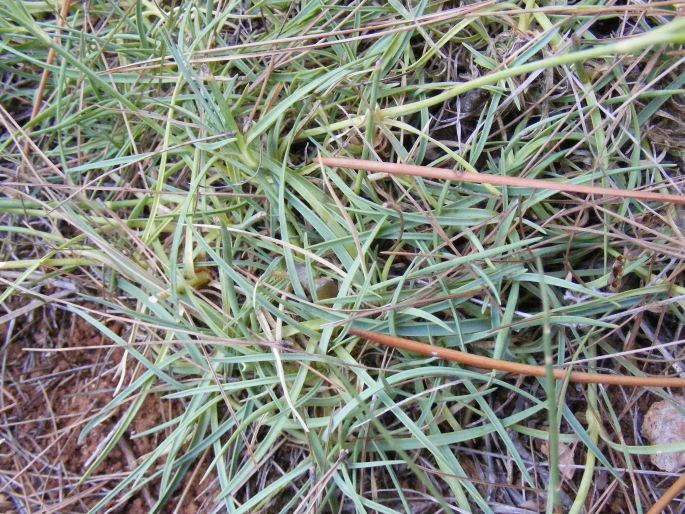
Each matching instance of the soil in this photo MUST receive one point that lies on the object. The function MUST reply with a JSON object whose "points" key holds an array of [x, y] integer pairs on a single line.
{"points": [[47, 398]]}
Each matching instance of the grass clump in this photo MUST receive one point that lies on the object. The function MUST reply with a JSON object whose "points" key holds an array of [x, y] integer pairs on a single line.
{"points": [[163, 188]]}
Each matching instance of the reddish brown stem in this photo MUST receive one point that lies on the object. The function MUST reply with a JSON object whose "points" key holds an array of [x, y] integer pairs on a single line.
{"points": [[495, 180], [38, 100], [478, 361], [668, 496]]}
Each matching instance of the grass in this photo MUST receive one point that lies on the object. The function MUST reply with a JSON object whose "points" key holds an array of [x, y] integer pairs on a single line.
{"points": [[165, 180]]}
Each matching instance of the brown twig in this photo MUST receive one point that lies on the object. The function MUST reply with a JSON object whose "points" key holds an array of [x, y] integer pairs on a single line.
{"points": [[38, 100], [40, 92], [479, 361], [668, 496], [495, 180]]}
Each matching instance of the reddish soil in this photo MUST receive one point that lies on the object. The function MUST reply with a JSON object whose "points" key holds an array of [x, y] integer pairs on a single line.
{"points": [[47, 398]]}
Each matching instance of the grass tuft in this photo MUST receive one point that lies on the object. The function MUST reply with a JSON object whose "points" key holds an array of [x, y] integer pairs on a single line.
{"points": [[168, 180]]}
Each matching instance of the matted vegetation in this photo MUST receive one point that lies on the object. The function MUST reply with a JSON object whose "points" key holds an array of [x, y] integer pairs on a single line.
{"points": [[160, 182]]}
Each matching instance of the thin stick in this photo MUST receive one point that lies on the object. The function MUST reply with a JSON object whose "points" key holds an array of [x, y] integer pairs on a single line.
{"points": [[40, 92], [38, 100], [515, 367], [668, 496], [495, 180]]}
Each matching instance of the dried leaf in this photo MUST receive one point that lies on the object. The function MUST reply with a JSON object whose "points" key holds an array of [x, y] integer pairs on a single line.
{"points": [[566, 462]]}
